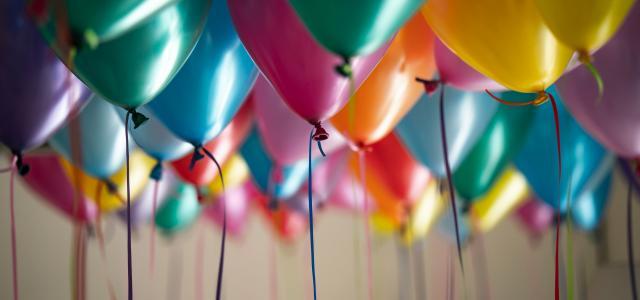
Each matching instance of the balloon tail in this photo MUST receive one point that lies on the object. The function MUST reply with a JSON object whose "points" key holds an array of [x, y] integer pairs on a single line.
{"points": [[14, 258], [367, 230], [586, 60], [224, 224], [344, 69], [152, 242], [570, 270], [630, 258], [314, 133], [129, 257]]}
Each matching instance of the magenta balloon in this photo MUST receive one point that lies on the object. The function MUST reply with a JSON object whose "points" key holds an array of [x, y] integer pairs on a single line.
{"points": [[48, 179], [536, 216], [455, 72], [237, 200], [300, 69], [614, 120], [283, 132]]}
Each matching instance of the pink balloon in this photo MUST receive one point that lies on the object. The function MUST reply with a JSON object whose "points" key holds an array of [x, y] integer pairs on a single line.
{"points": [[283, 132], [455, 72], [536, 216], [614, 121], [48, 179], [299, 68], [237, 201]]}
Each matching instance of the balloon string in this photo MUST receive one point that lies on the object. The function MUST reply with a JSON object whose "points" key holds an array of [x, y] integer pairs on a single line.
{"points": [[356, 244], [367, 230], [630, 258], [570, 270], [83, 262], [273, 269], [14, 259], [585, 59], [152, 242], [129, 258], [452, 194], [99, 232], [352, 103], [482, 275], [224, 224], [199, 265], [310, 203]]}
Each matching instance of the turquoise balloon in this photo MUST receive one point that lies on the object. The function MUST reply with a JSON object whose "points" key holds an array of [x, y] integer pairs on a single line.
{"points": [[588, 208], [354, 27], [208, 91], [467, 114], [262, 166], [538, 159], [179, 211], [101, 139], [127, 51]]}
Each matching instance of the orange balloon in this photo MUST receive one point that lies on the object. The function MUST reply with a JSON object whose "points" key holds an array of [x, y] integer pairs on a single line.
{"points": [[390, 91]]}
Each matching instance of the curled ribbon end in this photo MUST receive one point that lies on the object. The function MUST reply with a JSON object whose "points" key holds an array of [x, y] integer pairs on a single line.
{"points": [[587, 61], [137, 118], [344, 69], [430, 86]]}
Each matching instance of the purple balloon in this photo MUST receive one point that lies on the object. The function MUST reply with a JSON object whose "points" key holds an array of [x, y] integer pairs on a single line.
{"points": [[237, 202], [615, 120], [536, 216], [142, 208], [37, 92]]}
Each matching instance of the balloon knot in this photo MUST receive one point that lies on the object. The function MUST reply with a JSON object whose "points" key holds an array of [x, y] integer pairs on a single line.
{"points": [[430, 86], [137, 118], [197, 155], [23, 169], [156, 172], [584, 57], [111, 186], [320, 134], [273, 204], [344, 69]]}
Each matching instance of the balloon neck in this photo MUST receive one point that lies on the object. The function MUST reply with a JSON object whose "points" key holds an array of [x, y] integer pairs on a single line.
{"points": [[111, 186], [23, 168], [345, 69], [156, 172], [584, 57], [542, 98], [137, 118], [430, 86], [273, 204], [320, 133], [197, 155]]}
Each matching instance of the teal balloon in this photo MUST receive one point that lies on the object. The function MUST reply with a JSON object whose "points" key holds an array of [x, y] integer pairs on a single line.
{"points": [[588, 208], [354, 27], [127, 51], [467, 114], [538, 159], [210, 88], [500, 142], [263, 169], [101, 139], [179, 211], [155, 139]]}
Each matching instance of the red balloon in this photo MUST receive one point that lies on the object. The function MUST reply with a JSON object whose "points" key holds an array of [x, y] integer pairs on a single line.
{"points": [[222, 147], [288, 224]]}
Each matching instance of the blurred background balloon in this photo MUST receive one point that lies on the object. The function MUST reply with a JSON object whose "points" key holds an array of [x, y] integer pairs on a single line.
{"points": [[211, 86], [588, 207], [390, 91], [467, 114], [179, 211], [142, 207], [613, 120], [94, 140], [536, 216], [37, 92], [237, 201], [287, 224], [424, 213], [127, 52]]}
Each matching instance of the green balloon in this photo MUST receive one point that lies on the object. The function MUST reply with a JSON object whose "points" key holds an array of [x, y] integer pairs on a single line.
{"points": [[502, 139], [125, 50], [179, 211], [354, 27]]}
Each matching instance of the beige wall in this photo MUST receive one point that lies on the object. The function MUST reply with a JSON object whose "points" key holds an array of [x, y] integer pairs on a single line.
{"points": [[519, 268]]}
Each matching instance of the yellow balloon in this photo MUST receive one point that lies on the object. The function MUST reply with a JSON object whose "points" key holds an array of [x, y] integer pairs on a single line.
{"points": [[95, 189], [505, 40], [510, 190], [584, 25], [424, 214], [383, 224], [235, 172]]}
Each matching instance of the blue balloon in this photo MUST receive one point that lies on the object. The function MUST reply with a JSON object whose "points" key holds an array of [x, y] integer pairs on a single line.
{"points": [[262, 166], [101, 139], [447, 225], [212, 85], [467, 114], [155, 138], [538, 160], [587, 209]]}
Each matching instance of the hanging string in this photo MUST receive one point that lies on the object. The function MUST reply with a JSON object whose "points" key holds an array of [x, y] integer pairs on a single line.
{"points": [[450, 277], [101, 244], [14, 259], [420, 287], [273, 269], [570, 270], [224, 223], [199, 265], [367, 230], [482, 273], [129, 258], [630, 258], [356, 244], [152, 242]]}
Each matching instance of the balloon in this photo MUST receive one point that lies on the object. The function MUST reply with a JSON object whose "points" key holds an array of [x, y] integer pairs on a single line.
{"points": [[155, 138], [37, 92], [297, 67], [536, 216], [505, 40], [456, 73], [235, 172], [390, 91], [467, 115], [424, 213], [393, 164], [581, 156], [213, 83], [222, 147], [142, 207], [48, 180], [583, 26], [287, 223], [502, 140], [509, 190], [350, 28], [284, 133], [447, 227], [99, 134], [614, 120], [179, 211], [236, 202], [279, 181], [99, 191], [127, 52], [587, 211]]}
